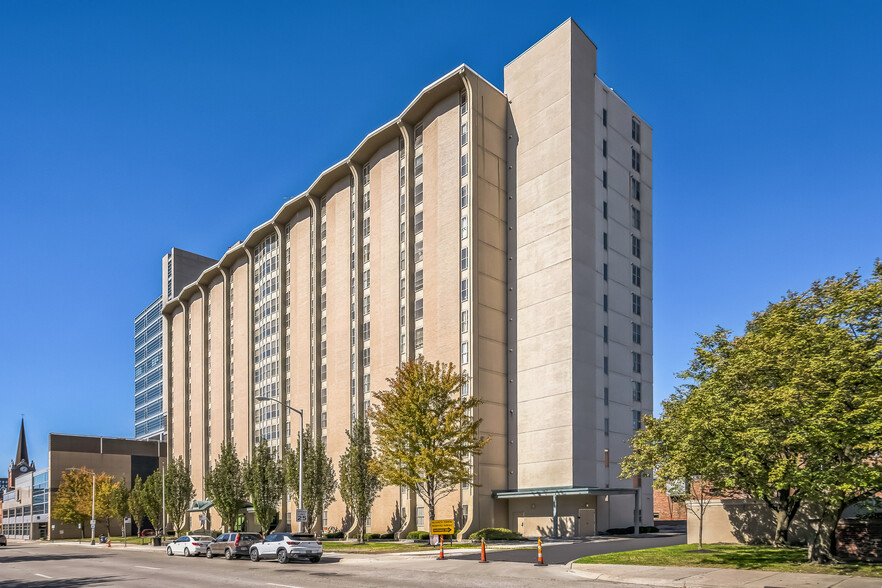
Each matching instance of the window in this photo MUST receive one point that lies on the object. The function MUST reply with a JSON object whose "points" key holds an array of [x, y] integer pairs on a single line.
{"points": [[324, 372], [324, 254], [635, 217], [418, 251], [324, 329], [366, 357], [606, 430], [604, 178], [635, 246], [464, 290], [402, 260], [324, 396], [636, 392], [463, 196], [403, 288], [635, 188], [464, 322], [418, 309], [635, 275], [635, 360], [418, 165], [606, 457], [366, 253], [463, 103], [366, 383], [402, 204], [606, 396], [401, 152], [464, 353], [604, 210], [635, 130], [418, 222], [605, 334], [417, 136], [418, 280], [418, 338], [635, 304], [605, 272], [323, 230], [402, 176], [606, 364], [464, 134], [366, 200], [464, 258], [402, 232], [366, 170], [635, 417], [605, 241], [635, 333], [604, 117], [464, 227], [418, 194], [366, 304], [635, 160], [366, 331], [464, 165], [366, 278], [604, 147], [366, 227], [421, 517], [402, 316], [605, 303]]}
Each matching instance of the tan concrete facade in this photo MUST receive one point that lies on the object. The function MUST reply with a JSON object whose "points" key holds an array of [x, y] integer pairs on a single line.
{"points": [[468, 230]]}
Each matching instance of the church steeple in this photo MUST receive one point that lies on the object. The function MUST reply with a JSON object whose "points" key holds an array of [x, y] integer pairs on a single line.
{"points": [[21, 454]]}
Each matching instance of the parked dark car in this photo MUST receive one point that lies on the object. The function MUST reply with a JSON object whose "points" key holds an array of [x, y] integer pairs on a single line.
{"points": [[233, 545], [2, 540]]}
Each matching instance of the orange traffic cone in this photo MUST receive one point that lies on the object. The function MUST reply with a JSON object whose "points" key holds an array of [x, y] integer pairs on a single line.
{"points": [[483, 552], [441, 555], [541, 562]]}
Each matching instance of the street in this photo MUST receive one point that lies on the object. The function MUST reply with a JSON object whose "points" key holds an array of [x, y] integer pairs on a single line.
{"points": [[38, 564]]}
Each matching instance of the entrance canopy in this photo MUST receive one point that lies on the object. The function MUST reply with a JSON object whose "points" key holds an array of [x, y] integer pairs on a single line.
{"points": [[554, 492]]}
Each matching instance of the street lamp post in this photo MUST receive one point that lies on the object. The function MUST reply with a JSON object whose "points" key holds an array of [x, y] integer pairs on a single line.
{"points": [[91, 523], [299, 412]]}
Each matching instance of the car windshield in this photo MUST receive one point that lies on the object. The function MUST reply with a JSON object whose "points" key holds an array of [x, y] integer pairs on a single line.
{"points": [[301, 537], [201, 538]]}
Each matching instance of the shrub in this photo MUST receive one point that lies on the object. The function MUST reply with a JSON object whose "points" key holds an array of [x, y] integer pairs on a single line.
{"points": [[421, 535], [491, 533], [334, 535], [387, 536], [371, 536], [630, 530]]}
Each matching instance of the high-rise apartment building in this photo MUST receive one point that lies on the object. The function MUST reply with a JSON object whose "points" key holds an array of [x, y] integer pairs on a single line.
{"points": [[508, 232], [179, 268]]}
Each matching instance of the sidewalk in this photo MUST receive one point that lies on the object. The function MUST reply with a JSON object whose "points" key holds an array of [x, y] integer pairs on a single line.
{"points": [[716, 577]]}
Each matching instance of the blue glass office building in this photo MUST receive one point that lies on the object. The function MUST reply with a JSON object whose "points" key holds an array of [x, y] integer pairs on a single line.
{"points": [[149, 411]]}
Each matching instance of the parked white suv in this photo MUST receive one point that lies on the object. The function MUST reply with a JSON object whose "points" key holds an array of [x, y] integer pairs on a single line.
{"points": [[287, 546]]}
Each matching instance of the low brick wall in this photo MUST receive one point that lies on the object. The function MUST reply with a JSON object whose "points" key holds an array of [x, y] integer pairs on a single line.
{"points": [[859, 539]]}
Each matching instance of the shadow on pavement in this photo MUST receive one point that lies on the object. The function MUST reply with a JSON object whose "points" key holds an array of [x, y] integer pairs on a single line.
{"points": [[42, 557], [94, 581]]}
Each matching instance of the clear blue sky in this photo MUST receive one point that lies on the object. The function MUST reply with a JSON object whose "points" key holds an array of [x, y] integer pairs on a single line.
{"points": [[127, 128]]}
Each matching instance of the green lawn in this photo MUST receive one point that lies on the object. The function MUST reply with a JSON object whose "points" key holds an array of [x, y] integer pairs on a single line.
{"points": [[745, 557]]}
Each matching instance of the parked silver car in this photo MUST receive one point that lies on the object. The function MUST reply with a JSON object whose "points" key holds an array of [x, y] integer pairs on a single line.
{"points": [[284, 547]]}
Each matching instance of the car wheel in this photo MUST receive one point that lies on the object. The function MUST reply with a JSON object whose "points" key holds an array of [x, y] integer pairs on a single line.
{"points": [[254, 555], [315, 559], [169, 551], [208, 553], [186, 552], [228, 554], [282, 556]]}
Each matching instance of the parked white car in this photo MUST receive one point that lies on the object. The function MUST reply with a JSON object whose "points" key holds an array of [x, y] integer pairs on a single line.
{"points": [[284, 547], [188, 545]]}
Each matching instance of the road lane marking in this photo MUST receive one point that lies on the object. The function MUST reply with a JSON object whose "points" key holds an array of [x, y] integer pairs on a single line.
{"points": [[147, 568], [43, 576], [282, 585]]}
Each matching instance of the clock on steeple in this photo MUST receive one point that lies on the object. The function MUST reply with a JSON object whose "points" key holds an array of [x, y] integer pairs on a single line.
{"points": [[21, 464]]}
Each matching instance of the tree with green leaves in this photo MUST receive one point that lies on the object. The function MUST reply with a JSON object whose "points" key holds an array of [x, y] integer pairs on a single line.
{"points": [[179, 492], [104, 486], [265, 483], [119, 503], [151, 500], [225, 485], [136, 504], [359, 486], [425, 431], [319, 477]]}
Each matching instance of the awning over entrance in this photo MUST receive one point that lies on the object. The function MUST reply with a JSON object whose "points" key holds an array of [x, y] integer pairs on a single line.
{"points": [[554, 492]]}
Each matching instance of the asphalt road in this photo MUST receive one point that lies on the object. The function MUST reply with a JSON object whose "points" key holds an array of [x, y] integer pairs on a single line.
{"points": [[38, 565]]}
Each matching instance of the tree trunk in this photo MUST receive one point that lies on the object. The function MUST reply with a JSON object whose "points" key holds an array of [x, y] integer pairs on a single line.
{"points": [[784, 509], [822, 548], [700, 527]]}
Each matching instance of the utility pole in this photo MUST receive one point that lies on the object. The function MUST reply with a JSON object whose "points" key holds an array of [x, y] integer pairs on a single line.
{"points": [[164, 533], [93, 508]]}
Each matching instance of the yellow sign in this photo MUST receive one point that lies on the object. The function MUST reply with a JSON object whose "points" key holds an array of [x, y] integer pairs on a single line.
{"points": [[442, 527]]}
